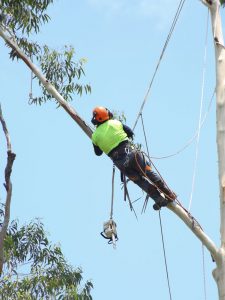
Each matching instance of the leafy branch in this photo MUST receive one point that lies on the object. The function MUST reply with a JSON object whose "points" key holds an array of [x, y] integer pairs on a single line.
{"points": [[23, 18]]}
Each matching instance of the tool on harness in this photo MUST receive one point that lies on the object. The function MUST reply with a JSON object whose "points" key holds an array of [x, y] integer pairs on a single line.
{"points": [[145, 204], [126, 193], [109, 228], [109, 232], [161, 202]]}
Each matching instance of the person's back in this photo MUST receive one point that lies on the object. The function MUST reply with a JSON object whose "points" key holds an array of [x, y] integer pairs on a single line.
{"points": [[109, 135]]}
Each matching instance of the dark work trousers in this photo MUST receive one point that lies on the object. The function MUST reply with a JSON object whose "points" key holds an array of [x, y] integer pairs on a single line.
{"points": [[133, 164]]}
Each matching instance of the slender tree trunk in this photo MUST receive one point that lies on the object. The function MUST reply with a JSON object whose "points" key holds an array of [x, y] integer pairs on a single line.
{"points": [[8, 187], [214, 7]]}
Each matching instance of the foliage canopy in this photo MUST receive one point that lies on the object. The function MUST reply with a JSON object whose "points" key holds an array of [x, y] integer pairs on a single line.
{"points": [[36, 269], [23, 18]]}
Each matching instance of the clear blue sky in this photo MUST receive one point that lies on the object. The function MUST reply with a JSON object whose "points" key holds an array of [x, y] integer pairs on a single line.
{"points": [[57, 177]]}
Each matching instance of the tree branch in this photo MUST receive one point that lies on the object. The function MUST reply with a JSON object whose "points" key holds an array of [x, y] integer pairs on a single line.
{"points": [[195, 227], [8, 186]]}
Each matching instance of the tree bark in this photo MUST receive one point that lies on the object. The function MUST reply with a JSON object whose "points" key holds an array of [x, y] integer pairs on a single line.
{"points": [[214, 7], [8, 187]]}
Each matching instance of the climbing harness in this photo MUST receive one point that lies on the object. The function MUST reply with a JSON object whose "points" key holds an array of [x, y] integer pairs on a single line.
{"points": [[109, 228]]}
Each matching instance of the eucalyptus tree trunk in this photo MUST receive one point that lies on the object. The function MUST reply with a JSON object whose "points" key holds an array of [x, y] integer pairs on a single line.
{"points": [[214, 7]]}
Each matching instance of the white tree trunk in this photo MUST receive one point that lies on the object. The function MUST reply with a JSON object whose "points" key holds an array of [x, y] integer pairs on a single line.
{"points": [[214, 7]]}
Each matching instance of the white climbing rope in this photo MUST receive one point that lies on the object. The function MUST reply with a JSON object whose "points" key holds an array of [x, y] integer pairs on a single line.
{"points": [[200, 116]]}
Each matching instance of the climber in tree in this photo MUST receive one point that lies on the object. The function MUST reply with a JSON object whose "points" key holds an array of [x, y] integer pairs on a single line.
{"points": [[112, 137]]}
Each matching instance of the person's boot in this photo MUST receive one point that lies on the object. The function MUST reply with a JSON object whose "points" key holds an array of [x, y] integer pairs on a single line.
{"points": [[160, 201]]}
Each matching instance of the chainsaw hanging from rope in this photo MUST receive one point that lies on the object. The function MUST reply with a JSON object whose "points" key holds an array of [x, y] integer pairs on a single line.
{"points": [[109, 228]]}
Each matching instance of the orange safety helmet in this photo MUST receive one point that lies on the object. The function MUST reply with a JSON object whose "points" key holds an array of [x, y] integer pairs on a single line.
{"points": [[100, 115]]}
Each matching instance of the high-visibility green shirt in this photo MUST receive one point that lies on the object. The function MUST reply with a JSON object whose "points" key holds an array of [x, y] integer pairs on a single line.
{"points": [[109, 135]]}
